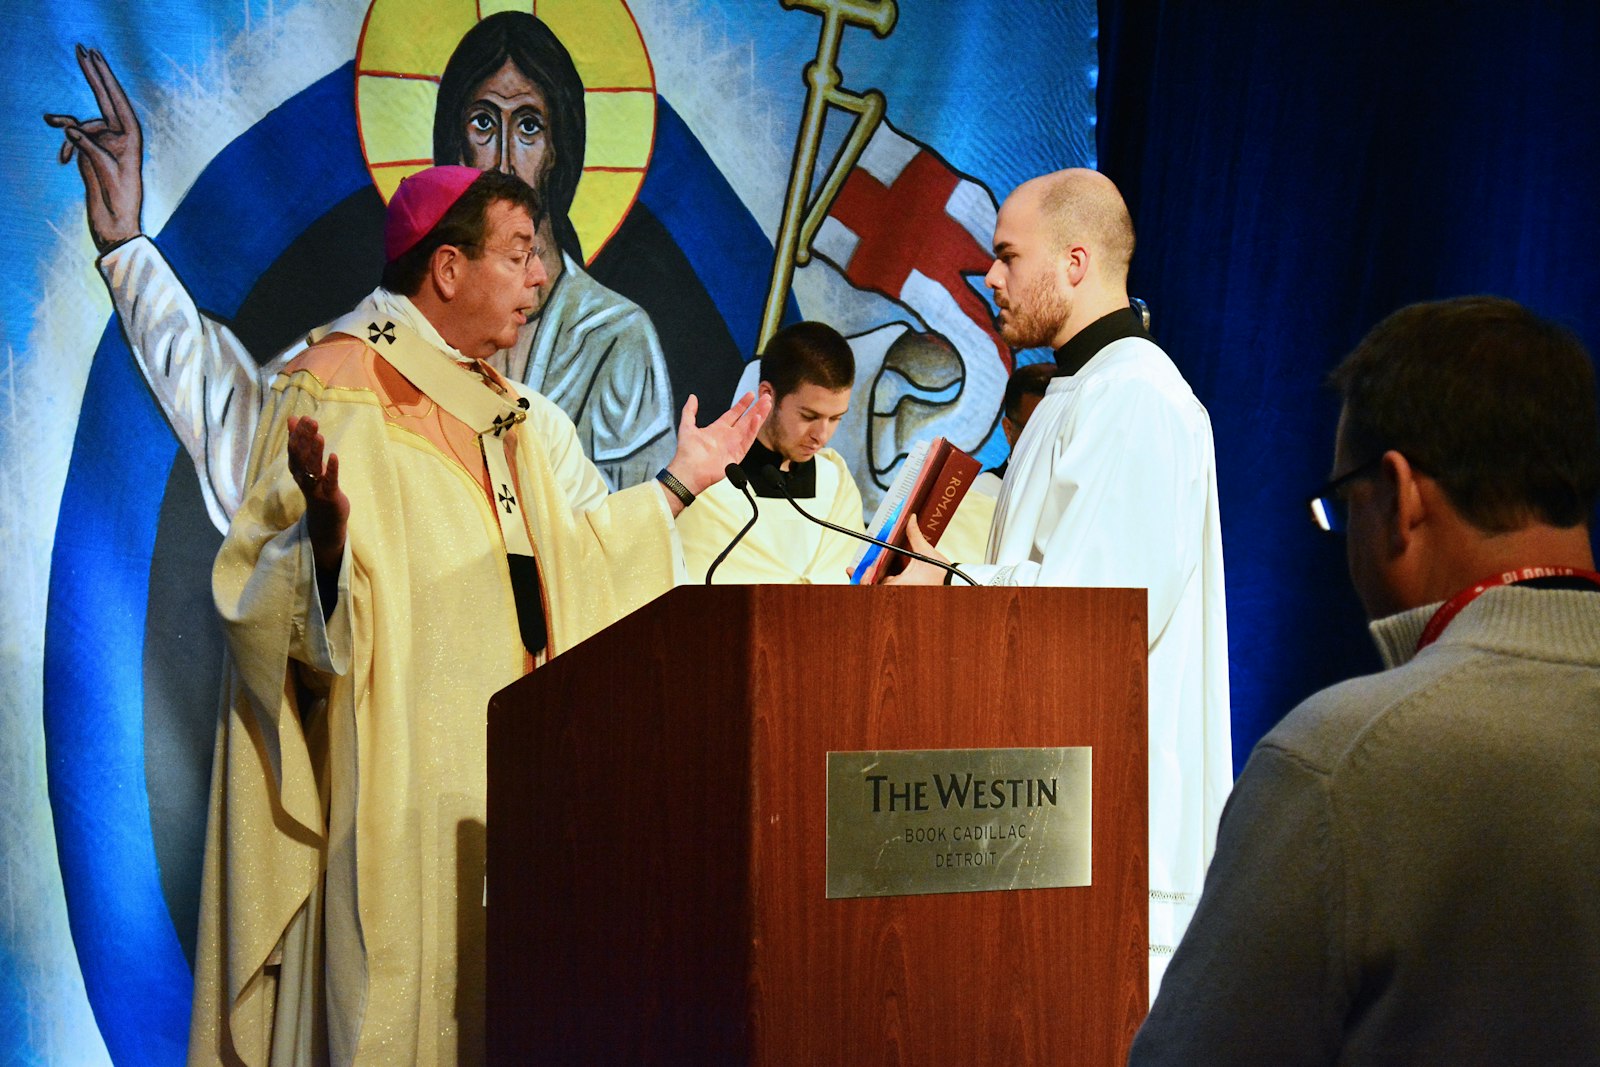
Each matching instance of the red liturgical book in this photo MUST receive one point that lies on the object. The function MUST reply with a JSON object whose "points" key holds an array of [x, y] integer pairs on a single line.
{"points": [[931, 483]]}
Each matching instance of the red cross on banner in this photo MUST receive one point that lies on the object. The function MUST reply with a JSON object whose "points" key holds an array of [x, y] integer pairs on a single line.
{"points": [[906, 226]]}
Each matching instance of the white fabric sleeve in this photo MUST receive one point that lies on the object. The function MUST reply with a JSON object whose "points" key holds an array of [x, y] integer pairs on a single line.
{"points": [[281, 590], [577, 476], [264, 586], [680, 569], [580, 479], [1127, 495]]}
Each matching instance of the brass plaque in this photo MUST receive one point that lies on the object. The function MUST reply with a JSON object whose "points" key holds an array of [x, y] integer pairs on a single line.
{"points": [[958, 820]]}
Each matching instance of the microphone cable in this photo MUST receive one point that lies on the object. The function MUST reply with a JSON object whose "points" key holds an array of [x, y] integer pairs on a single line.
{"points": [[735, 475]]}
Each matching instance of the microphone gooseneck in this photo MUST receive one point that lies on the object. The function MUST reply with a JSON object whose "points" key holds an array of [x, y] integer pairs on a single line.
{"points": [[737, 476], [775, 478]]}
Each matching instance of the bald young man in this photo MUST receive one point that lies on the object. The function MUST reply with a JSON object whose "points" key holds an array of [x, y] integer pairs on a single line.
{"points": [[1113, 483]]}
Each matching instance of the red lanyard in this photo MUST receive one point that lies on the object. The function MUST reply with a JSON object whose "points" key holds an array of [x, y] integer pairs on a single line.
{"points": [[1452, 607]]}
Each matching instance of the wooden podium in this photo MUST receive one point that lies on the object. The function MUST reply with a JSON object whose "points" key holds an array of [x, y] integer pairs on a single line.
{"points": [[658, 830]]}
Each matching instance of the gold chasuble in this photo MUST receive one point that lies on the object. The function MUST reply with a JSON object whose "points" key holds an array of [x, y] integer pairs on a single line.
{"points": [[342, 911]]}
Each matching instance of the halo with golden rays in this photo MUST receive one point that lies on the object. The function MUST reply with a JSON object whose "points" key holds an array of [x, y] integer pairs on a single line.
{"points": [[405, 45]]}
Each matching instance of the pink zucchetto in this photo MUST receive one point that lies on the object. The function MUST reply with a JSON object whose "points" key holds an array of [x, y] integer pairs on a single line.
{"points": [[419, 204]]}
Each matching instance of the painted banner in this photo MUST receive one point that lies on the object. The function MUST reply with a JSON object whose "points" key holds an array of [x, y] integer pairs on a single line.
{"points": [[193, 185]]}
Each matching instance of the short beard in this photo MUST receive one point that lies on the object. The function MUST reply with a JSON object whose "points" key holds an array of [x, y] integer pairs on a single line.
{"points": [[1037, 318]]}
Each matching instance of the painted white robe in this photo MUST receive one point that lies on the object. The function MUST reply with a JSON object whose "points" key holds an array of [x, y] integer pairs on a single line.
{"points": [[595, 354]]}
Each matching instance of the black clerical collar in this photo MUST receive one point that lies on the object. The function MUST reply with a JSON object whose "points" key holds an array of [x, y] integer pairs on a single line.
{"points": [[802, 477], [1087, 342]]}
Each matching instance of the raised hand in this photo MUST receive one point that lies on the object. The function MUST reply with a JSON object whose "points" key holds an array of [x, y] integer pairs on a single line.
{"points": [[704, 452], [110, 151], [327, 507]]}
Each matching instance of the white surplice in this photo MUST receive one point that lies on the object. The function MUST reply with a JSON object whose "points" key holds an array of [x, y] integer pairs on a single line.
{"points": [[1113, 484]]}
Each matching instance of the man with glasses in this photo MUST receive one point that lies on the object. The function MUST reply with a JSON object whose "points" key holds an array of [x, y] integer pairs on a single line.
{"points": [[417, 533], [1406, 872]]}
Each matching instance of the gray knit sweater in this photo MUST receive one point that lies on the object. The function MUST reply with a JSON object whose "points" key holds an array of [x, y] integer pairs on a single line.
{"points": [[1408, 870]]}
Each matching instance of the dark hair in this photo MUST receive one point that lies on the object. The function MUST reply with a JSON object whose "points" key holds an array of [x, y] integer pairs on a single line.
{"points": [[465, 225], [531, 47], [1494, 403], [1031, 379], [807, 352]]}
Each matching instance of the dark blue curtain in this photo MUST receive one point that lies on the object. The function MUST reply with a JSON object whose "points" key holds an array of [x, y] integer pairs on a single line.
{"points": [[1295, 173]]}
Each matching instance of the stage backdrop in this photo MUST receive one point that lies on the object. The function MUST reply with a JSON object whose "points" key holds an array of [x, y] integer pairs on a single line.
{"points": [[252, 146], [1297, 172]]}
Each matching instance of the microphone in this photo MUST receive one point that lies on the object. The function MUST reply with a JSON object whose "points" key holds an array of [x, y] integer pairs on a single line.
{"points": [[735, 475], [774, 477]]}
